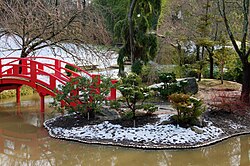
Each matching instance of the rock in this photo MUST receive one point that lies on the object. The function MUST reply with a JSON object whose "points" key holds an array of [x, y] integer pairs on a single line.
{"points": [[109, 114], [167, 122], [192, 86], [197, 130]]}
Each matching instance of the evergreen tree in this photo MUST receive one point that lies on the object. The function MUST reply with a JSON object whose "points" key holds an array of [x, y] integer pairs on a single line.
{"points": [[136, 34]]}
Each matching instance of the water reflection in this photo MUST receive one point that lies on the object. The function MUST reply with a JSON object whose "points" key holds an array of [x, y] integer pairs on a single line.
{"points": [[24, 142]]}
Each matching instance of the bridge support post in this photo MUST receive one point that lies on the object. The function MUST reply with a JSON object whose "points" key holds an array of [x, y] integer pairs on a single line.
{"points": [[113, 91], [18, 95], [42, 104]]}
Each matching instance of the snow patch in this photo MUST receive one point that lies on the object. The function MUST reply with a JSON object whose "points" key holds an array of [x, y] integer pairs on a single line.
{"points": [[148, 134]]}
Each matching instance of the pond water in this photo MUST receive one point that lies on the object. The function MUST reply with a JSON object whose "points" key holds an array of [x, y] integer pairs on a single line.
{"points": [[23, 141]]}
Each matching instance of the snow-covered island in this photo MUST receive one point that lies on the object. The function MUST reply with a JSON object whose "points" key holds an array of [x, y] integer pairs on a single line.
{"points": [[150, 136]]}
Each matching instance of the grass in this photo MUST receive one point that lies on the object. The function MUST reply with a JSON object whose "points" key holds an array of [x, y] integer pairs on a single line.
{"points": [[25, 90], [216, 84]]}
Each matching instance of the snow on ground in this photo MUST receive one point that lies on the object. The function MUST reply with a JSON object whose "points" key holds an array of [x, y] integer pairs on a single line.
{"points": [[10, 46], [148, 135]]}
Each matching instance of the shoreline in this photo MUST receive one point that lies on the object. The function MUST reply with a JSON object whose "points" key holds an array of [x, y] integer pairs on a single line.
{"points": [[90, 134]]}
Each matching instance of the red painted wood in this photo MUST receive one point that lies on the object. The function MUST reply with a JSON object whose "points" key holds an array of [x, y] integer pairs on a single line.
{"points": [[0, 67], [24, 66], [18, 94], [8, 87], [112, 91], [96, 82], [42, 104], [33, 68]]}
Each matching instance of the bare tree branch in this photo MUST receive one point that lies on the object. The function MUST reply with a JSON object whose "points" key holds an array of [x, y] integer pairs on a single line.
{"points": [[38, 24]]}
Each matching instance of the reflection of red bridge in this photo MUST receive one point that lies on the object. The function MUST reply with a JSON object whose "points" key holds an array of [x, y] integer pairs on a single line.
{"points": [[22, 143], [41, 73]]}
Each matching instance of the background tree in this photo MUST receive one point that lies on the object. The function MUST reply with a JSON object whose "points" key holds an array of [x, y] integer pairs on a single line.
{"points": [[33, 25], [112, 11], [139, 43], [221, 57], [192, 30], [238, 33]]}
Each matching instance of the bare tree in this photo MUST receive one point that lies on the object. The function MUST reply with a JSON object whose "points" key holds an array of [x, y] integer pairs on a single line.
{"points": [[239, 34], [37, 24]]}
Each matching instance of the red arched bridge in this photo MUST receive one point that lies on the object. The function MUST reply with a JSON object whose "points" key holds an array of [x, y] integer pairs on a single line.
{"points": [[43, 74]]}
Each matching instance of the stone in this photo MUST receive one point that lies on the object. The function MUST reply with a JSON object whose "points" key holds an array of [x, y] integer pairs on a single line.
{"points": [[197, 130], [192, 86]]}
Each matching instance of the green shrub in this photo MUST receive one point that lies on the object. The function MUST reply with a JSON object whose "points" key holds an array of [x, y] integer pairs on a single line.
{"points": [[170, 84], [206, 72], [234, 75], [88, 101], [188, 109], [70, 67], [134, 93], [137, 67]]}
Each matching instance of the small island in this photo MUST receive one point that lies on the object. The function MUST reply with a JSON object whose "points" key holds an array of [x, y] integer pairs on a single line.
{"points": [[157, 130]]}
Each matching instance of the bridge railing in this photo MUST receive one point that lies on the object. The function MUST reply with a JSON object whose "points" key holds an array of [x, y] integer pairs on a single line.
{"points": [[46, 71]]}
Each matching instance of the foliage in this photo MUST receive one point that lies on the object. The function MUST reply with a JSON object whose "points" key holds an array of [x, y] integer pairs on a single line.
{"points": [[144, 20], [237, 28], [29, 26], [170, 84], [234, 70], [137, 67], [228, 101], [206, 72], [82, 95], [112, 10], [149, 73], [134, 94], [70, 67], [188, 109], [25, 90]]}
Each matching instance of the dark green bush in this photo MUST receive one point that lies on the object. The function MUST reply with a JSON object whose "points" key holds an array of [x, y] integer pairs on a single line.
{"points": [[88, 100], [70, 67], [137, 67], [170, 84], [134, 93], [206, 72], [234, 74]]}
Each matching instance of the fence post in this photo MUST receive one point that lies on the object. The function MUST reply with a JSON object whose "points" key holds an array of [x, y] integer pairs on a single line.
{"points": [[40, 67], [33, 76], [57, 68], [113, 91], [1, 68], [18, 94], [24, 66], [15, 69], [42, 104]]}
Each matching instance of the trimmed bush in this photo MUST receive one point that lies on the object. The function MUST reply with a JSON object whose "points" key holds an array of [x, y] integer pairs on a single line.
{"points": [[189, 109], [134, 94]]}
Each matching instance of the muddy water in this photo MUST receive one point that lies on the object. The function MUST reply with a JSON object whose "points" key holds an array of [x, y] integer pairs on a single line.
{"points": [[24, 142]]}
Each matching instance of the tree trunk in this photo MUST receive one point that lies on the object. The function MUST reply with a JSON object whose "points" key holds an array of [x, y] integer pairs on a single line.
{"points": [[179, 54], [245, 91], [211, 65], [201, 63], [131, 32], [23, 55], [222, 74]]}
